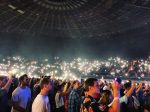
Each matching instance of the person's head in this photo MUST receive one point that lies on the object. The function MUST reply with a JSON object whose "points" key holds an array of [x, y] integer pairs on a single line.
{"points": [[24, 81], [118, 80], [60, 87], [76, 84], [106, 97], [127, 85], [3, 81], [91, 85], [45, 84]]}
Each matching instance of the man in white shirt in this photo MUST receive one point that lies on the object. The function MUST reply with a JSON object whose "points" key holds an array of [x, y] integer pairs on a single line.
{"points": [[21, 96], [41, 102], [59, 100]]}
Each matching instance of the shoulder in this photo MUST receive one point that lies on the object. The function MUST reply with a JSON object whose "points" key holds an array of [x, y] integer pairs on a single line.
{"points": [[39, 99], [29, 90], [3, 93], [71, 93], [75, 92], [16, 91], [38, 104], [57, 95], [123, 99], [47, 99]]}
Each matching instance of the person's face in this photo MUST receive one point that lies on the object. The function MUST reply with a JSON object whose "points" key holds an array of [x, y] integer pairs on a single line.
{"points": [[48, 86], [95, 88], [3, 82], [77, 84], [25, 81]]}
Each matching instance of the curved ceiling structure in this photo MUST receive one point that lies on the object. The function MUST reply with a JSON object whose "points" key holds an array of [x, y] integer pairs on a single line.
{"points": [[73, 18]]}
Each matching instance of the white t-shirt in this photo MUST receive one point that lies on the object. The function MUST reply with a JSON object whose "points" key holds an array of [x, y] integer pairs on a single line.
{"points": [[59, 100], [41, 104], [22, 96]]}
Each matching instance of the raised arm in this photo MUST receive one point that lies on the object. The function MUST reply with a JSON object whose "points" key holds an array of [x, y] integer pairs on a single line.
{"points": [[7, 85], [116, 93], [139, 88], [131, 90]]}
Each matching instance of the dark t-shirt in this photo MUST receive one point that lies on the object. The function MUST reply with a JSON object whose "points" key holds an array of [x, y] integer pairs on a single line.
{"points": [[129, 107], [3, 101], [36, 91]]}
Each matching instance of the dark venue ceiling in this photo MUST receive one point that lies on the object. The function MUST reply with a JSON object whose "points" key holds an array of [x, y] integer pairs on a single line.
{"points": [[79, 19]]}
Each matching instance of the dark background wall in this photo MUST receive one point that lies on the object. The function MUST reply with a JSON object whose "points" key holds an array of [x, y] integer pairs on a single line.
{"points": [[130, 44]]}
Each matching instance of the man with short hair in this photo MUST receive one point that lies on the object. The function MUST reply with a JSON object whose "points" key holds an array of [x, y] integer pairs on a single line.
{"points": [[41, 102], [90, 104], [21, 96]]}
